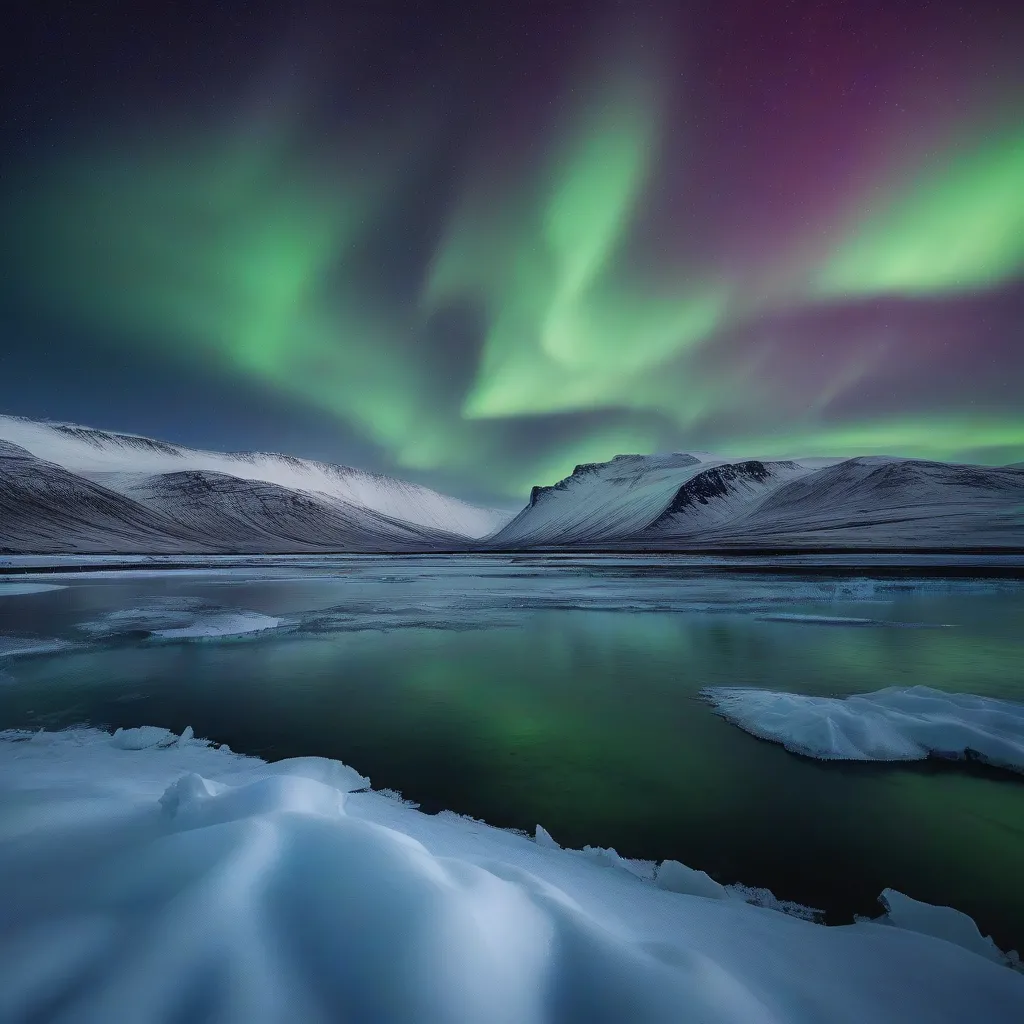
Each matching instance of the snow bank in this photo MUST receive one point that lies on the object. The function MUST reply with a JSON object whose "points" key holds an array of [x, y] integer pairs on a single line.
{"points": [[893, 724], [942, 922], [678, 877], [175, 881]]}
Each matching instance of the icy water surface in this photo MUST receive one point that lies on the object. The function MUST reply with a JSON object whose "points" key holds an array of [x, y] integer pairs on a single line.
{"points": [[566, 692]]}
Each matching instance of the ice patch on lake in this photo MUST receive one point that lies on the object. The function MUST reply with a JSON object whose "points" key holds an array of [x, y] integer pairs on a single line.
{"points": [[177, 881], [843, 620], [16, 646], [181, 618], [893, 724], [818, 620], [8, 589], [220, 625]]}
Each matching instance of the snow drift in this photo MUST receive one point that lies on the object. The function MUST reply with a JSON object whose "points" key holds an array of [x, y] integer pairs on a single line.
{"points": [[893, 724], [151, 877]]}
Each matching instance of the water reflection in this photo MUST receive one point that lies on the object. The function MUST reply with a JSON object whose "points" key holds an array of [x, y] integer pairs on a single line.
{"points": [[587, 721]]}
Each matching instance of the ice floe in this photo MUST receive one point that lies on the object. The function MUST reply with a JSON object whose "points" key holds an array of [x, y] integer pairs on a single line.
{"points": [[180, 618], [220, 625], [155, 878], [894, 724]]}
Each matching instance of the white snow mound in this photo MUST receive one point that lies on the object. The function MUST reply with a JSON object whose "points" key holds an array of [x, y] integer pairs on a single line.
{"points": [[894, 724], [179, 882]]}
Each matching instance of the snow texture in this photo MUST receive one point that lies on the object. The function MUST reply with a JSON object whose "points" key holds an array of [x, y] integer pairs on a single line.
{"points": [[894, 724], [678, 877], [70, 488], [942, 922], [67, 488], [180, 882], [657, 502]]}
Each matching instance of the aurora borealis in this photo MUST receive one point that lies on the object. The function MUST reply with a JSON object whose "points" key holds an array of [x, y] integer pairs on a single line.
{"points": [[477, 247]]}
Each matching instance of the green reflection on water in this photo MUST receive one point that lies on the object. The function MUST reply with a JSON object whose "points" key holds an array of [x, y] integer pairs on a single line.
{"points": [[590, 723]]}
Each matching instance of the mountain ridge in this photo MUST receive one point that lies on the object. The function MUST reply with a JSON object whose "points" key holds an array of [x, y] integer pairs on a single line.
{"points": [[67, 488], [685, 502]]}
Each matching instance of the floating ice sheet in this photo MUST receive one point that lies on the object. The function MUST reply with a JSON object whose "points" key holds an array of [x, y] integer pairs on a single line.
{"points": [[181, 618], [893, 724], [220, 625]]}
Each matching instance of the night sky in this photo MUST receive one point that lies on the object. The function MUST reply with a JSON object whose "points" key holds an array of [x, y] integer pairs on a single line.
{"points": [[476, 244]]}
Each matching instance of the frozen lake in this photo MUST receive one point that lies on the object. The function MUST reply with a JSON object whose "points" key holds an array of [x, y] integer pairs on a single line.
{"points": [[566, 692]]}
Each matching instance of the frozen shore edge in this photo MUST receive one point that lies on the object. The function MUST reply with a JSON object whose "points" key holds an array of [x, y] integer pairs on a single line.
{"points": [[250, 875]]}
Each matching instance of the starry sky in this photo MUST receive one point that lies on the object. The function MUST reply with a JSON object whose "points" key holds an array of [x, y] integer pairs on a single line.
{"points": [[475, 245]]}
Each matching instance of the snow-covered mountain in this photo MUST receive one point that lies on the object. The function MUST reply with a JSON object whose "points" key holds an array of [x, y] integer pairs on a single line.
{"points": [[66, 488], [70, 488], [685, 502]]}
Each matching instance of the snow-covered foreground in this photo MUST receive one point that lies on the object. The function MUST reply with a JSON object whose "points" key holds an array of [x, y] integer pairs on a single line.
{"points": [[147, 877], [894, 724]]}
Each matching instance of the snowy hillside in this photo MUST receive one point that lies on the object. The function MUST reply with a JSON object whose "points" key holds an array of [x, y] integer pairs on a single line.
{"points": [[44, 508], [72, 489], [889, 502], [601, 502], [616, 501], [119, 461], [685, 502]]}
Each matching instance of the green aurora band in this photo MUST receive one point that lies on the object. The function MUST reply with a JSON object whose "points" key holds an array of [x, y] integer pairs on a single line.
{"points": [[568, 329], [959, 225], [239, 251]]}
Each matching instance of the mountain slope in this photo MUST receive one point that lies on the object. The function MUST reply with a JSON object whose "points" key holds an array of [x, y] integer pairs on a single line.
{"points": [[611, 502], [598, 501], [121, 461], [250, 516], [686, 502], [66, 488], [874, 501], [44, 508]]}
